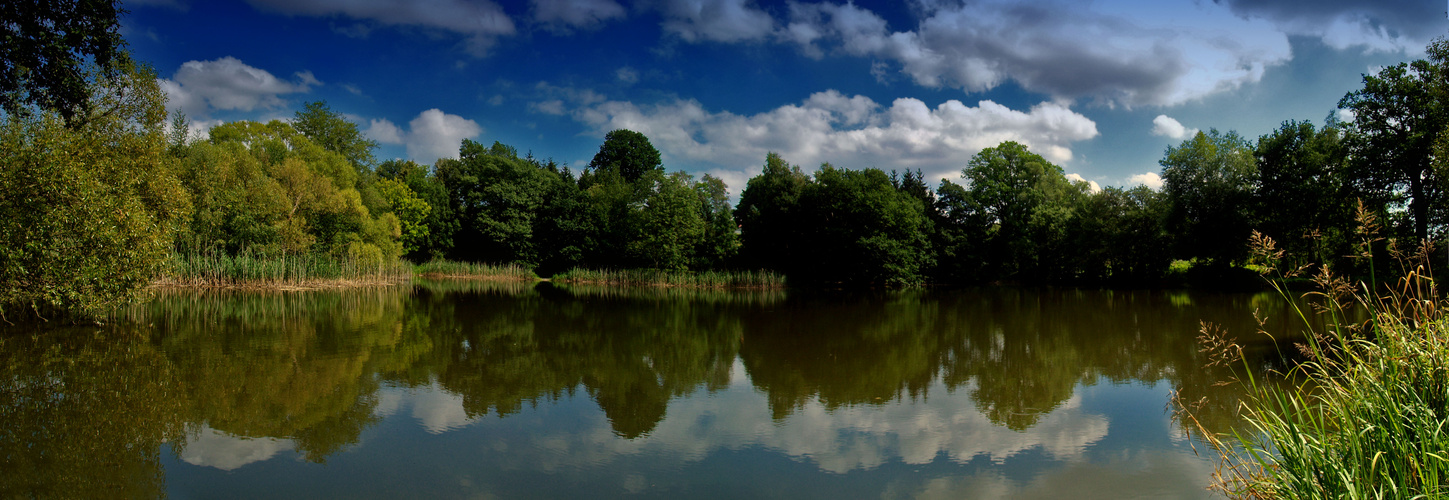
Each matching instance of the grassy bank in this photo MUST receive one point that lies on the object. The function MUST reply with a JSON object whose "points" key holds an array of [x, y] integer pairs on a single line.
{"points": [[454, 269], [314, 271], [285, 271], [1365, 415], [660, 278]]}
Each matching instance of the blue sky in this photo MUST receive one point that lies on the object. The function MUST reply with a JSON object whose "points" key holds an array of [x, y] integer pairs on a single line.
{"points": [[1098, 87]]}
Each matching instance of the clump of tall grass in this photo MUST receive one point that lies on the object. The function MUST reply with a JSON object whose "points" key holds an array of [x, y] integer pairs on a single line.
{"points": [[665, 278], [452, 269], [1365, 413], [304, 270]]}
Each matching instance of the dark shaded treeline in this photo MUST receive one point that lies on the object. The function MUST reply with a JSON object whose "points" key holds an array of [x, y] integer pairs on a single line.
{"points": [[84, 411]]}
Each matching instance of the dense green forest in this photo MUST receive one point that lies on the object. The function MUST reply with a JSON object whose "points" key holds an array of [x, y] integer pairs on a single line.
{"points": [[100, 191]]}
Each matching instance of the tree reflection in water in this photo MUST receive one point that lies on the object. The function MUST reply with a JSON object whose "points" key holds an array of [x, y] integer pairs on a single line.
{"points": [[84, 411]]}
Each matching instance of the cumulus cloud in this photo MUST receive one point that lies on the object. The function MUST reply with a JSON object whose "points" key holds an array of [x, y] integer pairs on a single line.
{"points": [[212, 448], [849, 131], [1140, 54], [1149, 179], [1388, 25], [1167, 126], [481, 21], [1092, 186], [200, 87], [565, 15], [716, 20], [432, 135]]}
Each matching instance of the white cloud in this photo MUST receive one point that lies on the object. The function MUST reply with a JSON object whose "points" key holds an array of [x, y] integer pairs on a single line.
{"points": [[212, 448], [1149, 179], [837, 439], [627, 75], [1092, 186], [852, 132], [200, 87], [1169, 127], [563, 15], [549, 107], [1117, 53], [1382, 26], [716, 20], [482, 21], [384, 131], [433, 134]]}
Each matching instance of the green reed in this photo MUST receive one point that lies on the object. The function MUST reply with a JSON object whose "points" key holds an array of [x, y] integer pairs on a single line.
{"points": [[304, 270], [1365, 413], [454, 269], [657, 277]]}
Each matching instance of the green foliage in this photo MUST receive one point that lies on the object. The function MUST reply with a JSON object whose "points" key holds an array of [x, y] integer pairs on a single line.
{"points": [[87, 212], [268, 189], [328, 129], [1303, 198], [498, 197], [441, 221], [1208, 181], [1398, 115], [412, 212], [766, 215], [54, 52], [720, 242], [669, 226], [859, 228], [626, 153], [1025, 202]]}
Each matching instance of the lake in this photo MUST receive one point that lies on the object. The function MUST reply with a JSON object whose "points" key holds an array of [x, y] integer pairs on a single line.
{"points": [[469, 389]]}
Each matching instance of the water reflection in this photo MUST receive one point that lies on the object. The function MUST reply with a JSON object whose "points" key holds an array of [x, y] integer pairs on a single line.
{"points": [[1023, 390]]}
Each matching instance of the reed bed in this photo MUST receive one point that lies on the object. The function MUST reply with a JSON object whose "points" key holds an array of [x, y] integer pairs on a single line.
{"points": [[663, 278], [454, 269], [284, 271], [1367, 412]]}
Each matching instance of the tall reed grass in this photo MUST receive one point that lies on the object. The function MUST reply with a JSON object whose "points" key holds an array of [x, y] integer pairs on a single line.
{"points": [[656, 277], [305, 271], [454, 269], [1365, 415]]}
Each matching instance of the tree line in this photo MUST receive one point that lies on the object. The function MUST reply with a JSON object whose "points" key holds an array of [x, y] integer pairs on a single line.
{"points": [[98, 194]]}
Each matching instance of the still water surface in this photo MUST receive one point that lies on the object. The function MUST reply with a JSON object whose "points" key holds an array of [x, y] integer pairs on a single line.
{"points": [[486, 390]]}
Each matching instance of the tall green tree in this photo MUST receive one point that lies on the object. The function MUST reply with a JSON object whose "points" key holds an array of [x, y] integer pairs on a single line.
{"points": [[1208, 181], [441, 222], [769, 216], [626, 153], [1301, 190], [412, 212], [51, 52], [1025, 200], [498, 197], [330, 130], [721, 242], [858, 228], [669, 227], [1397, 116], [87, 213]]}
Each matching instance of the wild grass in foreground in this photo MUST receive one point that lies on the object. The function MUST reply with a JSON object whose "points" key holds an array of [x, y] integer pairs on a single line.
{"points": [[656, 277], [1365, 416], [305, 271], [453, 269]]}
